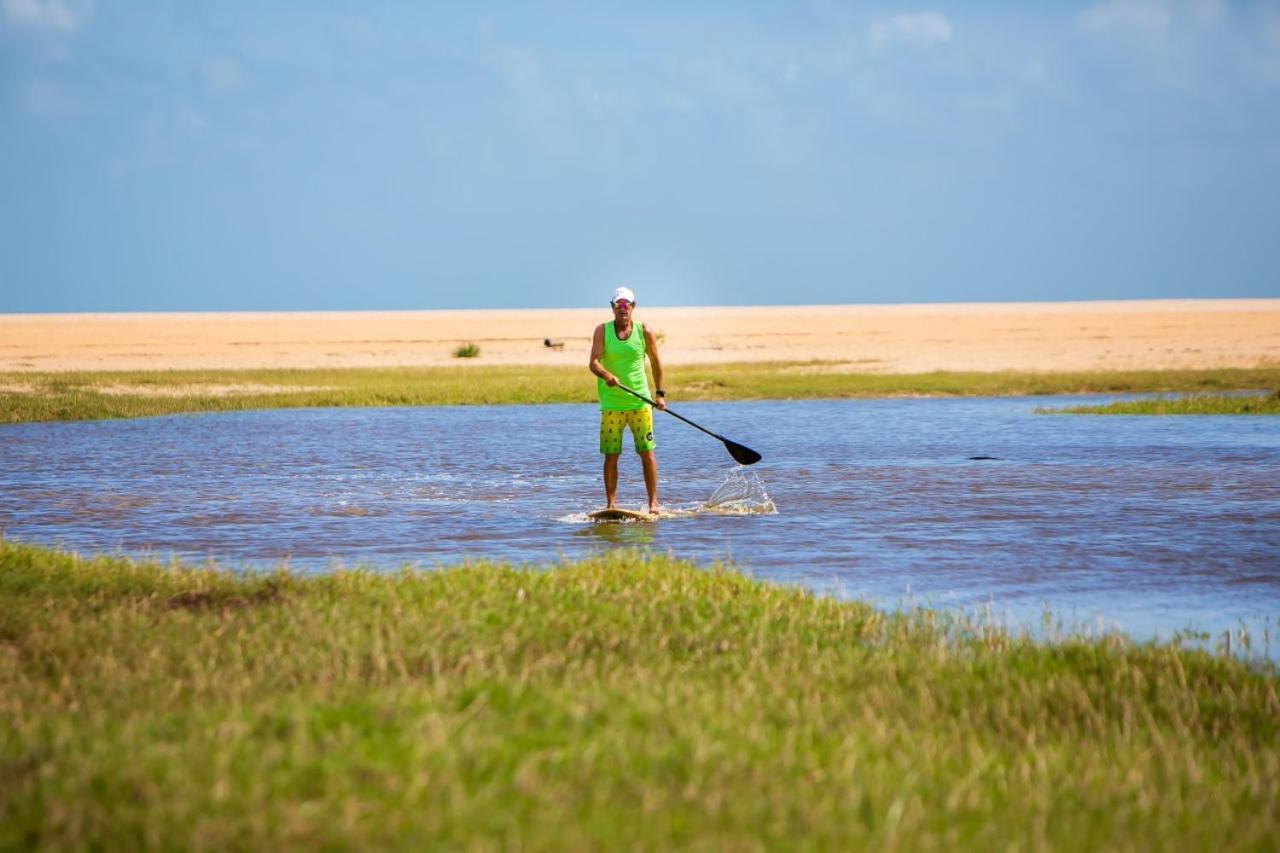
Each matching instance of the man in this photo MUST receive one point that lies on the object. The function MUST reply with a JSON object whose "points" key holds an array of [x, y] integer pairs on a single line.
{"points": [[617, 358]]}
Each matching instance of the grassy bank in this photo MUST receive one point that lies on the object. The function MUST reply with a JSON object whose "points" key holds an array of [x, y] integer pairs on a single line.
{"points": [[1198, 404], [621, 701], [83, 396]]}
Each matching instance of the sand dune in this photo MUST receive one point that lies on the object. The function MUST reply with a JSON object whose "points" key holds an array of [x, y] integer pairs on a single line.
{"points": [[1155, 334]]}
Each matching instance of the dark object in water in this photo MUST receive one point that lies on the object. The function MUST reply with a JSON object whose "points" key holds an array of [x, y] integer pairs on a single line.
{"points": [[554, 344], [975, 458]]}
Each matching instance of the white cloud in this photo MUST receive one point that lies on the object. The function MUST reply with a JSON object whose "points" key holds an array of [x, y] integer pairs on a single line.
{"points": [[222, 74], [1150, 20], [1271, 25], [52, 15], [527, 79], [920, 29], [47, 99], [680, 102], [193, 121], [1261, 58], [1197, 46], [722, 81], [600, 103]]}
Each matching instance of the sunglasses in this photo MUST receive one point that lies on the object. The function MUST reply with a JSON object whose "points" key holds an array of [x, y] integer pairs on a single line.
{"points": [[623, 303]]}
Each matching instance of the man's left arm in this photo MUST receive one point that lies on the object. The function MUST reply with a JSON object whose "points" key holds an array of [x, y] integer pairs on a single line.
{"points": [[651, 347]]}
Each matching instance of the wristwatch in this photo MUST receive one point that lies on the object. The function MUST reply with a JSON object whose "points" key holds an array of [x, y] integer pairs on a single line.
{"points": [[660, 393]]}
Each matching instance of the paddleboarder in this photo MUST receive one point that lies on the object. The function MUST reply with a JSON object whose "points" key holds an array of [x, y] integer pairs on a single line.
{"points": [[618, 350]]}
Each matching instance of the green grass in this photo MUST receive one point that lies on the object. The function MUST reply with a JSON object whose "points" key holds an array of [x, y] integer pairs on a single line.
{"points": [[82, 395], [1198, 404], [622, 701], [468, 350]]}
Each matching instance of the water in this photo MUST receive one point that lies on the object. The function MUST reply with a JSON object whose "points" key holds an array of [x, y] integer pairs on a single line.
{"points": [[1149, 525]]}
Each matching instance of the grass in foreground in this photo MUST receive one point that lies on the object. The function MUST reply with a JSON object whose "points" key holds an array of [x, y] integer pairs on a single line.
{"points": [[83, 396], [622, 701], [1199, 404]]}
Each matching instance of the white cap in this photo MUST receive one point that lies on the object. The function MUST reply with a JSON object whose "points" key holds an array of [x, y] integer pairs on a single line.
{"points": [[623, 293]]}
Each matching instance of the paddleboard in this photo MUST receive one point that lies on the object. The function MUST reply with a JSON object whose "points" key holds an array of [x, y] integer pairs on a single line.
{"points": [[620, 515]]}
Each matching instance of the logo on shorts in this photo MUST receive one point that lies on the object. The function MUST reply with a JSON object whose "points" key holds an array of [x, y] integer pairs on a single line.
{"points": [[648, 436]]}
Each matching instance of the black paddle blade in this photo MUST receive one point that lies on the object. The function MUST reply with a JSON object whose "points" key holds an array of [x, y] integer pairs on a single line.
{"points": [[741, 454]]}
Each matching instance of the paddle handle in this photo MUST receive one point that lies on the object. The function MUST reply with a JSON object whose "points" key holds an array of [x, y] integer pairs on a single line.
{"points": [[669, 412]]}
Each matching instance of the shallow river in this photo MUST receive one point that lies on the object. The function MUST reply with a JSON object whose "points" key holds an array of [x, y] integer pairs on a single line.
{"points": [[1147, 524]]}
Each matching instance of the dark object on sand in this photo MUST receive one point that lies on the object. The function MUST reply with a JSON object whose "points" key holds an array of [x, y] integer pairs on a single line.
{"points": [[552, 343]]}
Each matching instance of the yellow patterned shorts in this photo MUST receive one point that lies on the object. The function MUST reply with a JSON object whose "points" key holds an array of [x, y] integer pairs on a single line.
{"points": [[612, 423]]}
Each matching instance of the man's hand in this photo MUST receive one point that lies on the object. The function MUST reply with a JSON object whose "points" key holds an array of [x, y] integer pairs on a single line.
{"points": [[662, 404], [611, 381]]}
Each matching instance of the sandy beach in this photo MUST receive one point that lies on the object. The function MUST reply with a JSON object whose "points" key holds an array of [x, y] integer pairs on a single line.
{"points": [[1154, 334]]}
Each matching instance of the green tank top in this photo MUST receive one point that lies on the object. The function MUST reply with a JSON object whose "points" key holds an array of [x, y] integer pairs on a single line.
{"points": [[625, 360]]}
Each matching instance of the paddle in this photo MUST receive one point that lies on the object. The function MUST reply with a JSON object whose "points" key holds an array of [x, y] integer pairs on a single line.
{"points": [[742, 454]]}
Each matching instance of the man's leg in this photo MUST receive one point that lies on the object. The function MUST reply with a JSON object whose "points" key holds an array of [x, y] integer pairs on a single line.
{"points": [[611, 479], [649, 460], [611, 424]]}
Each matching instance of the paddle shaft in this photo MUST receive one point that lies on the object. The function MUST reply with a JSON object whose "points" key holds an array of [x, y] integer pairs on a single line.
{"points": [[741, 454], [669, 412]]}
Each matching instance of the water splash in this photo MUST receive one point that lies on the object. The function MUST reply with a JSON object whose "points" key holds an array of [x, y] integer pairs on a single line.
{"points": [[741, 493]]}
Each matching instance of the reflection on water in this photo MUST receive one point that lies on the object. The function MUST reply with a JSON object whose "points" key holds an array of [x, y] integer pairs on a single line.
{"points": [[636, 534], [1154, 523]]}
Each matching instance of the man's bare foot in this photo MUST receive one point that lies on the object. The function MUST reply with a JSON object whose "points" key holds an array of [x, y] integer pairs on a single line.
{"points": [[653, 509]]}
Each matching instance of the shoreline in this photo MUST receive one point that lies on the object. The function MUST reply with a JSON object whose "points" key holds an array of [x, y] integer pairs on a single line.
{"points": [[880, 339]]}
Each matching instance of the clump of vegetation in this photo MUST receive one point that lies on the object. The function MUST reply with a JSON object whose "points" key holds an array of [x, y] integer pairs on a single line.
{"points": [[1197, 404], [467, 350], [623, 700]]}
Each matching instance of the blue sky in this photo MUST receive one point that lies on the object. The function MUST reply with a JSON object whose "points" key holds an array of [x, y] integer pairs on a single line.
{"points": [[321, 155]]}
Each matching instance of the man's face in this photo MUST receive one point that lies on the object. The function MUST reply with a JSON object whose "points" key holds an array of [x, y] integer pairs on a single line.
{"points": [[622, 308]]}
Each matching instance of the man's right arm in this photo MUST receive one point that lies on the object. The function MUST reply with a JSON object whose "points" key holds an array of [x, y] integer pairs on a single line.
{"points": [[597, 353]]}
